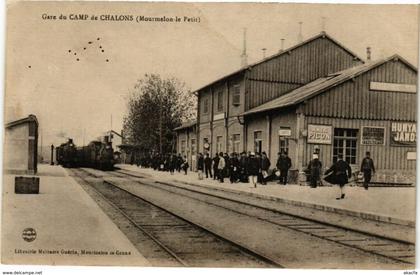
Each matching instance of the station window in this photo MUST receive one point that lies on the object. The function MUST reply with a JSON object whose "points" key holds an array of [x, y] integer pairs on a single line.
{"points": [[219, 144], [236, 140], [236, 95], [345, 143], [206, 106], [220, 101], [257, 141], [183, 147], [193, 147], [283, 144]]}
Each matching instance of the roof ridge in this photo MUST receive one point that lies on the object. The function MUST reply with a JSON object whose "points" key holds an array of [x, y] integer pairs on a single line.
{"points": [[322, 34], [331, 80]]}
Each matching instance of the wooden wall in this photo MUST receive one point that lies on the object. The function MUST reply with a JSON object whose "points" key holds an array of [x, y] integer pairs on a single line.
{"points": [[354, 99], [277, 76]]}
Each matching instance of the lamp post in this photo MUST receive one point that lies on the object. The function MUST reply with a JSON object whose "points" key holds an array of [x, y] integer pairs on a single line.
{"points": [[52, 154]]}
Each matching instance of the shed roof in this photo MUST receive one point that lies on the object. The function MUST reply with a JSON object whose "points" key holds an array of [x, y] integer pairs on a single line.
{"points": [[322, 84], [187, 124], [30, 118], [288, 50]]}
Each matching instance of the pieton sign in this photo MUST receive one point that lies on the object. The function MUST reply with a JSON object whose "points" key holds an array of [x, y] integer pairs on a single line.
{"points": [[403, 133], [319, 134]]}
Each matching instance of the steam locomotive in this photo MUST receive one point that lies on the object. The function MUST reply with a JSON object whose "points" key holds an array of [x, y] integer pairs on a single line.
{"points": [[96, 154]]}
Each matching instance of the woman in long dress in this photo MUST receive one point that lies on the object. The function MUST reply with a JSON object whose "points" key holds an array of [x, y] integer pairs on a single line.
{"points": [[340, 172]]}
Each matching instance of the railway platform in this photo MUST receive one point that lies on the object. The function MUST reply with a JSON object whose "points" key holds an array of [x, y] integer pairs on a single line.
{"points": [[65, 226], [385, 204]]}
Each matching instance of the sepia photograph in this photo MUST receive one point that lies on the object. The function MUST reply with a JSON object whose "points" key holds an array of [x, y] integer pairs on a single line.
{"points": [[210, 135]]}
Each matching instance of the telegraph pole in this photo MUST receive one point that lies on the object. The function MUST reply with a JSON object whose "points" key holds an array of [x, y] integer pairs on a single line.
{"points": [[160, 126], [52, 154]]}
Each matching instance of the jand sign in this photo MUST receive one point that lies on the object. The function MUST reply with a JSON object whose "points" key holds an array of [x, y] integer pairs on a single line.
{"points": [[319, 134], [403, 134]]}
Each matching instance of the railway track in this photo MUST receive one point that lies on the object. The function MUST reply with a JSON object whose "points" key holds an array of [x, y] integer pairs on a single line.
{"points": [[396, 250], [173, 241]]}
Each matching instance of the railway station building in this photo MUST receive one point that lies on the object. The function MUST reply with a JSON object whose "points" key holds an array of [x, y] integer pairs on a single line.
{"points": [[367, 108], [222, 103], [315, 96]]}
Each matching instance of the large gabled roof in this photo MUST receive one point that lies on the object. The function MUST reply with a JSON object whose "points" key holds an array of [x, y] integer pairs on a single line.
{"points": [[288, 50], [320, 85]]}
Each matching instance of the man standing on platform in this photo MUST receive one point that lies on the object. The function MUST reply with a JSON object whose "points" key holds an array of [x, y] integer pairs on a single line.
{"points": [[221, 167], [368, 169], [215, 166], [200, 166], [265, 165], [207, 165], [315, 170], [283, 164], [243, 166], [253, 169]]}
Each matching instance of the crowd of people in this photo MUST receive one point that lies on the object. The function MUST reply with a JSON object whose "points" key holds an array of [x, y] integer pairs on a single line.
{"points": [[245, 167], [255, 168], [167, 162]]}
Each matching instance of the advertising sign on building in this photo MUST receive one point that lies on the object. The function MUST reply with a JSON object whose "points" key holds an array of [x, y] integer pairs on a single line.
{"points": [[373, 135], [319, 134], [285, 132], [403, 133]]}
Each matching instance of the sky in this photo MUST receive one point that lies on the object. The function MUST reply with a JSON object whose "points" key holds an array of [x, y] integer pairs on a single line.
{"points": [[81, 99]]}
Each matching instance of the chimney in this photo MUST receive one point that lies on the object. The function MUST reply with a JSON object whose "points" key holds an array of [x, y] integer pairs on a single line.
{"points": [[244, 56], [282, 45], [263, 50], [300, 36], [323, 23], [368, 54]]}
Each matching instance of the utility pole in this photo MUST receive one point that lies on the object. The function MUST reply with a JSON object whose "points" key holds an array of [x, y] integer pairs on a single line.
{"points": [[52, 154], [84, 135], [160, 126], [323, 23], [40, 153]]}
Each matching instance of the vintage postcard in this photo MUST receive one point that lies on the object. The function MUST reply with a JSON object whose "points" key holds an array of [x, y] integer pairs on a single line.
{"points": [[164, 134]]}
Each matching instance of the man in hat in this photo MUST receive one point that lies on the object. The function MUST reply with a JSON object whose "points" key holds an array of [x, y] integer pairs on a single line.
{"points": [[340, 173], [367, 168], [283, 164], [243, 167], [253, 169], [233, 168], [207, 165], [265, 165], [200, 166], [215, 166]]}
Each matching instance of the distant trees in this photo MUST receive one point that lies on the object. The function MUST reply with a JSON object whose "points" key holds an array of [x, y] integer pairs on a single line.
{"points": [[155, 107]]}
